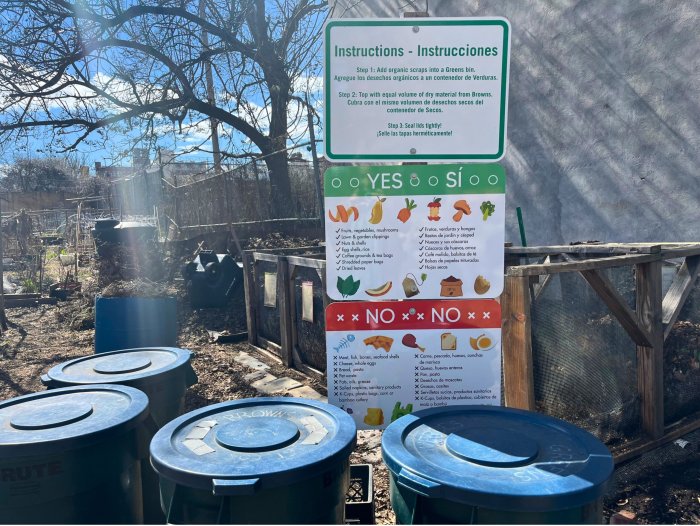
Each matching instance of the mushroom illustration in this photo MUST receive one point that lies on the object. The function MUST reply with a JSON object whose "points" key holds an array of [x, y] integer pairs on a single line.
{"points": [[462, 208]]}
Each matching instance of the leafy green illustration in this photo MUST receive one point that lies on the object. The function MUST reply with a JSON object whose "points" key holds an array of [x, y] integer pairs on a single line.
{"points": [[423, 276], [348, 286]]}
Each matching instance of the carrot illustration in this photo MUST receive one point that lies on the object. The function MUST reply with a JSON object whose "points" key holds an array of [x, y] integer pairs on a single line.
{"points": [[405, 213]]}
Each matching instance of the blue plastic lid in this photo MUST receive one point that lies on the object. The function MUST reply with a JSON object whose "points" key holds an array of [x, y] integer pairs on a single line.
{"points": [[496, 457], [68, 418], [243, 446], [117, 366]]}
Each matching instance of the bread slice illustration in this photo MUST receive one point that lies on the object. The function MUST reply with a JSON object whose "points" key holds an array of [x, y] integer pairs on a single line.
{"points": [[448, 341]]}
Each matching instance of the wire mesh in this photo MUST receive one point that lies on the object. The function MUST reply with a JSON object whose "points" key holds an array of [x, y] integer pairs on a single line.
{"points": [[682, 362], [585, 364]]}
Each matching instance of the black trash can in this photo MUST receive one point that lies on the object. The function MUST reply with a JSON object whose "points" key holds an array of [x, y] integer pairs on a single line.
{"points": [[73, 456], [212, 279]]}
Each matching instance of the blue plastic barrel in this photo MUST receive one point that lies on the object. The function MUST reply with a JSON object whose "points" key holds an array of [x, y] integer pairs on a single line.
{"points": [[129, 322], [493, 465], [163, 373], [256, 461], [72, 456]]}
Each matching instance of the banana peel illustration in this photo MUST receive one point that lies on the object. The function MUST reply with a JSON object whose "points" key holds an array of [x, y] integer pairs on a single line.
{"points": [[377, 211], [343, 215]]}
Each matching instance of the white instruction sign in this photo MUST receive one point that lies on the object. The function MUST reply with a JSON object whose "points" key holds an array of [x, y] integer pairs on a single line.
{"points": [[433, 88]]}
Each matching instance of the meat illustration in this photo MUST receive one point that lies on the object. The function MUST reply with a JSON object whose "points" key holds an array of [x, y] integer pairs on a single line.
{"points": [[409, 340]]}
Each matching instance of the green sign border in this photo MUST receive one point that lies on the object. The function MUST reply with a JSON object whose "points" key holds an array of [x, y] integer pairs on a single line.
{"points": [[344, 175], [416, 22]]}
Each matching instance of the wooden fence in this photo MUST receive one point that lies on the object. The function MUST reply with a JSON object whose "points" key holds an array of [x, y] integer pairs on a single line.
{"points": [[648, 324], [241, 194]]}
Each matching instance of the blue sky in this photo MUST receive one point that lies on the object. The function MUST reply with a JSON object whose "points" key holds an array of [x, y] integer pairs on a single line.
{"points": [[112, 146]]}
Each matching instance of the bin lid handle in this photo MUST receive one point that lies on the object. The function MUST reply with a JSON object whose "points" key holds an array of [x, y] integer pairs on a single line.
{"points": [[420, 485], [232, 488]]}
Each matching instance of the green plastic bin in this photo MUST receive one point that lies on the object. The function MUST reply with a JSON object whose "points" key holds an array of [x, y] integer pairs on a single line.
{"points": [[163, 373], [72, 456], [256, 461]]}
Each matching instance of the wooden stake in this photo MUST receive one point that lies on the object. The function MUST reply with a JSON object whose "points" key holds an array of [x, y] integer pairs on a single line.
{"points": [[518, 376], [650, 362]]}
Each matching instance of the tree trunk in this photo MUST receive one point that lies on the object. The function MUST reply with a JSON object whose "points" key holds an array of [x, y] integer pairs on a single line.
{"points": [[280, 186], [276, 160]]}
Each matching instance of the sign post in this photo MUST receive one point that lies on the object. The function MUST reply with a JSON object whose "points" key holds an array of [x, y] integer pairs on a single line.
{"points": [[432, 236]]}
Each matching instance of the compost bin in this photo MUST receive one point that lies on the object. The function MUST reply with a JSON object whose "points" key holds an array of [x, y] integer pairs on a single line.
{"points": [[72, 456], [212, 279], [127, 322], [163, 373], [486, 465], [256, 461]]}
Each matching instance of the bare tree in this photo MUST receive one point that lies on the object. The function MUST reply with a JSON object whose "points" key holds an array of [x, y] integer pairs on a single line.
{"points": [[83, 68]]}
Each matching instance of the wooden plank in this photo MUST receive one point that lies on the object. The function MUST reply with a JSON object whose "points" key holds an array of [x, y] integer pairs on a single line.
{"points": [[678, 292], [598, 249], [264, 256], [306, 369], [518, 376], [673, 253], [618, 306], [307, 262], [264, 343], [249, 281], [251, 223], [564, 249], [292, 312], [639, 447], [577, 266], [273, 355], [29, 302], [24, 296], [283, 305], [650, 378]]}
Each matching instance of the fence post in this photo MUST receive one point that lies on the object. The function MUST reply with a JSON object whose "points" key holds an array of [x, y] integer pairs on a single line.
{"points": [[518, 375], [257, 189], [251, 298], [284, 301], [314, 157], [650, 360]]}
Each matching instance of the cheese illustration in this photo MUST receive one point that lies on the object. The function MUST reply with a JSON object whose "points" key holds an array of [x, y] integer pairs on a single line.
{"points": [[374, 416]]}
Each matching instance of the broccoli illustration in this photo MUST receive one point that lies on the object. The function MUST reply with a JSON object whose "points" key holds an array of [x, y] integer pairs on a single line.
{"points": [[487, 208]]}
